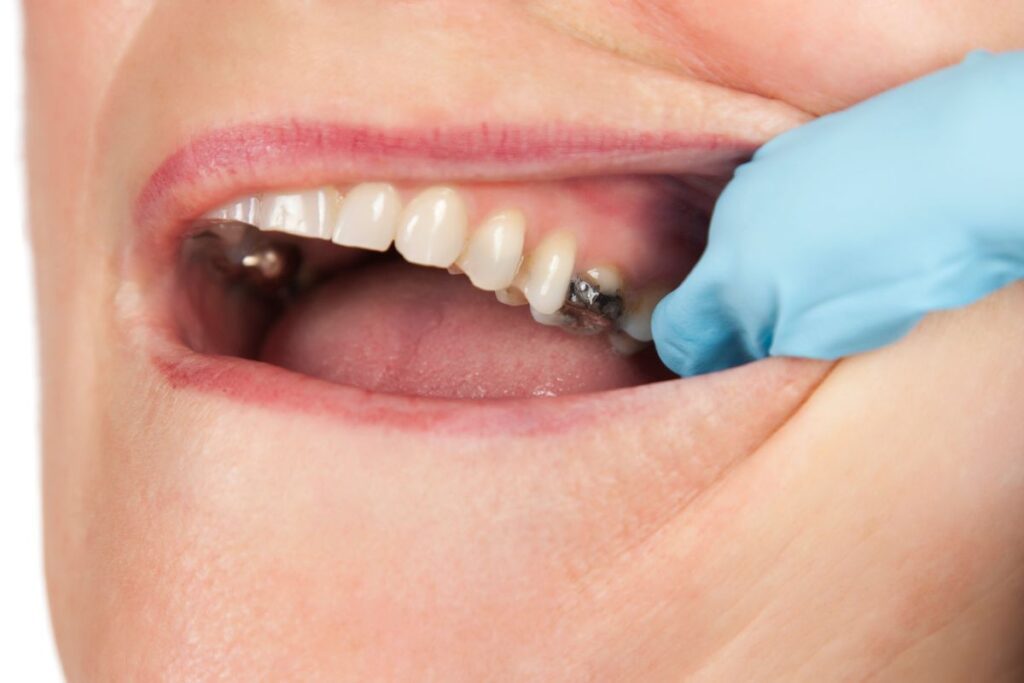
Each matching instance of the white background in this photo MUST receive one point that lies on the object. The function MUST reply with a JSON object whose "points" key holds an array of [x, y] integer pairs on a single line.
{"points": [[26, 648]]}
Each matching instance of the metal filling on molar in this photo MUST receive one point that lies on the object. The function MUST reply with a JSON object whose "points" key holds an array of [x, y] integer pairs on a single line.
{"points": [[589, 311]]}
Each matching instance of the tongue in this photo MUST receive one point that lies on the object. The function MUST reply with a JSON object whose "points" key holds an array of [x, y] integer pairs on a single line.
{"points": [[394, 328]]}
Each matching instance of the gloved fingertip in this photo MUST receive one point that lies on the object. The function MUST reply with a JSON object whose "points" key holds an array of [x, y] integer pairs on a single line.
{"points": [[674, 349], [694, 333]]}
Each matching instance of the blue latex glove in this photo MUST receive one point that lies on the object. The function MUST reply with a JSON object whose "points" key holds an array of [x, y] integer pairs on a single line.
{"points": [[840, 235]]}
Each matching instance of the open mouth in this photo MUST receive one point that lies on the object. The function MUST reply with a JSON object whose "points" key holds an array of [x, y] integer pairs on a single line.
{"points": [[549, 286], [459, 287]]}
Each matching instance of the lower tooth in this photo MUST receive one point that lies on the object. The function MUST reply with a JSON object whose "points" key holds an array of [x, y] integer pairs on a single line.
{"points": [[636, 320], [511, 296], [550, 319]]}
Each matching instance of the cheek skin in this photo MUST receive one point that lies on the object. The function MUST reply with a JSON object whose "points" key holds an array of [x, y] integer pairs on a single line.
{"points": [[884, 512], [815, 54]]}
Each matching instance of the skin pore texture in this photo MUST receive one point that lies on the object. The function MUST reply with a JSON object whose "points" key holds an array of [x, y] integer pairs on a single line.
{"points": [[789, 520]]}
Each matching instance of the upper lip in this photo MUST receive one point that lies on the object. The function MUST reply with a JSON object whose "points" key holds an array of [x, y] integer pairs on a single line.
{"points": [[220, 164]]}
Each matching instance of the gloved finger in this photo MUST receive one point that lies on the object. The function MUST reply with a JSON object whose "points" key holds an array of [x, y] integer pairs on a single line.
{"points": [[695, 328], [840, 235]]}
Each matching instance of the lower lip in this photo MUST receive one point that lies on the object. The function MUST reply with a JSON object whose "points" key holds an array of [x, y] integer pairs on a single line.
{"points": [[269, 387]]}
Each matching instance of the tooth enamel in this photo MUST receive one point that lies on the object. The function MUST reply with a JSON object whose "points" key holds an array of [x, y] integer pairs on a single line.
{"points": [[432, 229], [243, 210], [550, 319], [625, 345], [495, 250], [368, 217], [607, 279], [549, 271], [310, 213], [511, 296], [636, 319]]}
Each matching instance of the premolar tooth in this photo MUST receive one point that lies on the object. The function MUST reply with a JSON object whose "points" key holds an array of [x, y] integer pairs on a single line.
{"points": [[549, 272], [550, 319], [243, 210], [511, 296], [432, 229], [607, 279], [495, 250], [309, 213], [368, 217], [636, 319]]}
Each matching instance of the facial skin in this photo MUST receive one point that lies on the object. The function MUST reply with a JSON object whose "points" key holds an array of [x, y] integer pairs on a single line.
{"points": [[856, 521]]}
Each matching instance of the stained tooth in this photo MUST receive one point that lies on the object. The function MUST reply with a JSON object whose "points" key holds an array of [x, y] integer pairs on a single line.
{"points": [[636, 319], [607, 279], [549, 271], [368, 217], [243, 210], [310, 213], [511, 296], [495, 250], [432, 229]]}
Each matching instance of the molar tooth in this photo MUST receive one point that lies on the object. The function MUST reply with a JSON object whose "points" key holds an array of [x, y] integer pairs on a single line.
{"points": [[636, 319], [244, 210], [309, 213], [495, 250], [625, 345], [368, 217], [511, 296], [432, 229], [549, 272]]}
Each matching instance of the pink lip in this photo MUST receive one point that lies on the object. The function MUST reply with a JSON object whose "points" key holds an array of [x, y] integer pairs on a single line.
{"points": [[680, 401], [228, 162], [221, 163]]}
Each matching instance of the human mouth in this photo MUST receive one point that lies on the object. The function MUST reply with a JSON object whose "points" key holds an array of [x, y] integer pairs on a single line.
{"points": [[280, 286]]}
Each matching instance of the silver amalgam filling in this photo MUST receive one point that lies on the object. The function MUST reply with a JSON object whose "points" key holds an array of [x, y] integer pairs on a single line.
{"points": [[588, 310]]}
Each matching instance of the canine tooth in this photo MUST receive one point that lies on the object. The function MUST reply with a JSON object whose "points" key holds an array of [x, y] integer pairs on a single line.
{"points": [[243, 210], [495, 250], [310, 213], [607, 279], [511, 296], [636, 319], [368, 217], [432, 229], [549, 272]]}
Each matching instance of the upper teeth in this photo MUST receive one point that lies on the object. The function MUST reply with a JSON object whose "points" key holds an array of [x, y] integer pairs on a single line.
{"points": [[432, 230]]}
